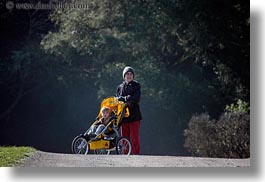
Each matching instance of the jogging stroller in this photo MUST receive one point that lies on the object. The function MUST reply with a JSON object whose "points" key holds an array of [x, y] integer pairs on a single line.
{"points": [[109, 139]]}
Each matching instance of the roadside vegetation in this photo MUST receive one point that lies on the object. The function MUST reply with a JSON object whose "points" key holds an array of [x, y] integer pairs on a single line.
{"points": [[11, 156], [225, 137]]}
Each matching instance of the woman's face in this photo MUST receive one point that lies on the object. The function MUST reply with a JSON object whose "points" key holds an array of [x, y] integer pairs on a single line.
{"points": [[128, 77]]}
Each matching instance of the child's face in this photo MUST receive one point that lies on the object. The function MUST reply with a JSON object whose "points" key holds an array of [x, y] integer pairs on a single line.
{"points": [[105, 113], [128, 77]]}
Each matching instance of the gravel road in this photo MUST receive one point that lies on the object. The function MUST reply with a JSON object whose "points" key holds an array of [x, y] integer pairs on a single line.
{"points": [[45, 159]]}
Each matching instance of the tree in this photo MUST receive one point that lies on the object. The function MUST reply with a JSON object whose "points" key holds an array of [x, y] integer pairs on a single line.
{"points": [[23, 65]]}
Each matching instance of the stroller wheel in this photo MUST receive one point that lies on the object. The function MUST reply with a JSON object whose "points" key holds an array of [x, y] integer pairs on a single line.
{"points": [[80, 145], [123, 146]]}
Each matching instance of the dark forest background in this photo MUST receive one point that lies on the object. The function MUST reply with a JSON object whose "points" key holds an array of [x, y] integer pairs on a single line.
{"points": [[192, 59]]}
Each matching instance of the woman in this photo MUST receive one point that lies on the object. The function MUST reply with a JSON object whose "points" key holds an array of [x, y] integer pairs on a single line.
{"points": [[130, 92]]}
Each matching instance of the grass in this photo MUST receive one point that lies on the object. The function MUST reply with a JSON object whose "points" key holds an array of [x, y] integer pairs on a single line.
{"points": [[11, 156]]}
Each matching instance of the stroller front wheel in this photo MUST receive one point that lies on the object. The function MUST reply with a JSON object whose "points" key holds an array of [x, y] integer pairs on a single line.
{"points": [[123, 146], [80, 145]]}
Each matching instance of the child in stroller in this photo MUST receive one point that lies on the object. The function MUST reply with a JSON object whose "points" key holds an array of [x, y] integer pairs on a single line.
{"points": [[106, 116]]}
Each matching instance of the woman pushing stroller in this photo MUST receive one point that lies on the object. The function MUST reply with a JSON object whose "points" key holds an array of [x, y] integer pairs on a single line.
{"points": [[129, 91]]}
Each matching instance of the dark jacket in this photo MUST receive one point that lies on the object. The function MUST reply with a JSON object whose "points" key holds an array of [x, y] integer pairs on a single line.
{"points": [[134, 90]]}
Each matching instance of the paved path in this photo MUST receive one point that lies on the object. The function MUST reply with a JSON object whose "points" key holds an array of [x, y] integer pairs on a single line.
{"points": [[45, 159]]}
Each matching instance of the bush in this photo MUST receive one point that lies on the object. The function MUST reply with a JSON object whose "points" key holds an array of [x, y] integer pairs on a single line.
{"points": [[240, 106], [227, 137]]}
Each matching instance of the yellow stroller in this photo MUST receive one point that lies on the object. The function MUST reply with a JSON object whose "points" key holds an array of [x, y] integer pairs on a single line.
{"points": [[109, 139]]}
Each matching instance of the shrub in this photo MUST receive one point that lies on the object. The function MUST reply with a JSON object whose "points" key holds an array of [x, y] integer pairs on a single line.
{"points": [[240, 106], [227, 137]]}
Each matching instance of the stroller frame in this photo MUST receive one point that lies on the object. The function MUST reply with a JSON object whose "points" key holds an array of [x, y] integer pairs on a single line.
{"points": [[106, 141]]}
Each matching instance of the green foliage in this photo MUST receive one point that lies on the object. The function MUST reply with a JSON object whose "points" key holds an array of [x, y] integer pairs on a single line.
{"points": [[108, 79], [227, 137], [26, 68], [240, 106], [156, 40], [11, 156]]}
